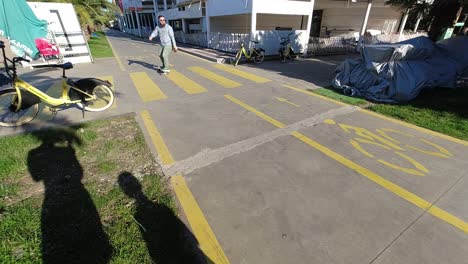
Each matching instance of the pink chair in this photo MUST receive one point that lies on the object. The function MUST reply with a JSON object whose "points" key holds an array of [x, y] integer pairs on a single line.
{"points": [[47, 49]]}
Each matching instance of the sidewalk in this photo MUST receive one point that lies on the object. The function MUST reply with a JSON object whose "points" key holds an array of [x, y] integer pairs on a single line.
{"points": [[206, 53]]}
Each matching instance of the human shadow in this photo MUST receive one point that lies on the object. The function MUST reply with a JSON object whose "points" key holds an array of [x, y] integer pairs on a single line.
{"points": [[167, 238], [71, 227], [144, 64]]}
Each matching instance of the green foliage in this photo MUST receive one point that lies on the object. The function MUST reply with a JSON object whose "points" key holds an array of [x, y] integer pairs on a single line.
{"points": [[91, 13]]}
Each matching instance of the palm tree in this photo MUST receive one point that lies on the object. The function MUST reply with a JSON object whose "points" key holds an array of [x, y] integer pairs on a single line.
{"points": [[446, 13], [91, 13]]}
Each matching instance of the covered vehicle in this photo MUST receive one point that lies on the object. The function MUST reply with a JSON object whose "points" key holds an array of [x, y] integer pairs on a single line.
{"points": [[398, 72]]}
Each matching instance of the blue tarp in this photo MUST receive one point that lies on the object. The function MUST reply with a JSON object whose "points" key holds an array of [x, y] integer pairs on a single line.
{"points": [[398, 72]]}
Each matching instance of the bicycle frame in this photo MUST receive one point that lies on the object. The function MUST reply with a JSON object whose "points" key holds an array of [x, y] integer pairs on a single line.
{"points": [[248, 54], [51, 101], [44, 98]]}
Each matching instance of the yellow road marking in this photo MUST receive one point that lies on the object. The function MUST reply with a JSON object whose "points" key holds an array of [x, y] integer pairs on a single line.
{"points": [[225, 82], [314, 94], [397, 190], [201, 229], [329, 122], [443, 153], [111, 80], [161, 148], [185, 83], [147, 89], [424, 130], [242, 74], [255, 111], [396, 121], [286, 101], [119, 62]]}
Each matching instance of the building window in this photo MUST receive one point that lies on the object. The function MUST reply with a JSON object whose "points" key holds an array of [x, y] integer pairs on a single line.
{"points": [[182, 8], [176, 24], [203, 10], [194, 26]]}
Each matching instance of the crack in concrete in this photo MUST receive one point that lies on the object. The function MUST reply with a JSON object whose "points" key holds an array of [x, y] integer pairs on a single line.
{"points": [[208, 157]]}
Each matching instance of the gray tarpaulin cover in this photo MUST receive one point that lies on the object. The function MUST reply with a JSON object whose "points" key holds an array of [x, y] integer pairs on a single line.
{"points": [[398, 72]]}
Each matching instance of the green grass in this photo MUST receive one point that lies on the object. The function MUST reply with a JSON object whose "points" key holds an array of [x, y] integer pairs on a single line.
{"points": [[330, 93], [441, 110], [99, 46], [92, 207]]}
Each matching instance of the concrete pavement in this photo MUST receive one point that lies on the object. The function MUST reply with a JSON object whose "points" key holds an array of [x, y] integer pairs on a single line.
{"points": [[276, 174]]}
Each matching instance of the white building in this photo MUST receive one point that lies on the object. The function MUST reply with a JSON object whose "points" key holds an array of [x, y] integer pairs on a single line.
{"points": [[221, 24]]}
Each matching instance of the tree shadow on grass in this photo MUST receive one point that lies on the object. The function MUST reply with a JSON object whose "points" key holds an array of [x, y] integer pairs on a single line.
{"points": [[443, 100], [167, 238], [71, 227]]}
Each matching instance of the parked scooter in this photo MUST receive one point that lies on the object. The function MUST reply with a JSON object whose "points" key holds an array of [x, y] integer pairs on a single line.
{"points": [[286, 51]]}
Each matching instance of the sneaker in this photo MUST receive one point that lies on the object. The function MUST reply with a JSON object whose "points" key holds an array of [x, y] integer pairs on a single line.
{"points": [[165, 70]]}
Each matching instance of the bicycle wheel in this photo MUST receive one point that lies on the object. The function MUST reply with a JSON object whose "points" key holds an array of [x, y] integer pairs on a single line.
{"points": [[103, 99], [9, 118], [259, 58], [282, 57]]}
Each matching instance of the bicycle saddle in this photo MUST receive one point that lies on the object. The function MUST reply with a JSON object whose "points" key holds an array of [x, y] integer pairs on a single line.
{"points": [[256, 42], [66, 66]]}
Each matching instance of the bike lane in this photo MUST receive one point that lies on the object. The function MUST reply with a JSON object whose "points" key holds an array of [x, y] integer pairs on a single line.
{"points": [[346, 182]]}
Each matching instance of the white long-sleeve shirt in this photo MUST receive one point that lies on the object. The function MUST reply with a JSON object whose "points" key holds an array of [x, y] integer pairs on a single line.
{"points": [[166, 35]]}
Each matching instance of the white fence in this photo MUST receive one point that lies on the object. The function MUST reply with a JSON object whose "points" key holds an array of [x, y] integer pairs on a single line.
{"points": [[391, 38], [228, 42], [271, 40], [331, 46], [345, 45], [197, 39]]}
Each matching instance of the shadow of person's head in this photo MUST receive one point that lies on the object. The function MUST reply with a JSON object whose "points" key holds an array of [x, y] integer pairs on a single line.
{"points": [[59, 136], [130, 185], [55, 161]]}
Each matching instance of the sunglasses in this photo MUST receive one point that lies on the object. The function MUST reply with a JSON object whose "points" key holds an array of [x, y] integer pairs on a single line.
{"points": [[162, 20]]}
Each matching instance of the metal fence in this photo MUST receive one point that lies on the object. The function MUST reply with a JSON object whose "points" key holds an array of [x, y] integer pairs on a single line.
{"points": [[347, 44], [228, 42], [197, 39], [331, 46], [391, 38]]}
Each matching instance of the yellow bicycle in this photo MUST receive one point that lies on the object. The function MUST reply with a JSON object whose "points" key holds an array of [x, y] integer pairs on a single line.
{"points": [[19, 105], [256, 54]]}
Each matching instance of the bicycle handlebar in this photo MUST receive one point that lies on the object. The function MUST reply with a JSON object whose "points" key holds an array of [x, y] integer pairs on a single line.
{"points": [[10, 70], [18, 59]]}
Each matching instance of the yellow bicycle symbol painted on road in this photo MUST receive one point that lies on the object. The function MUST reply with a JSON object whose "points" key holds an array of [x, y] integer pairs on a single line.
{"points": [[386, 139]]}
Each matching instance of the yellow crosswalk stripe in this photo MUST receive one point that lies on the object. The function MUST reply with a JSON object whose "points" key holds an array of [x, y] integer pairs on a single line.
{"points": [[242, 74], [185, 83], [225, 82], [147, 89], [110, 79]]}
